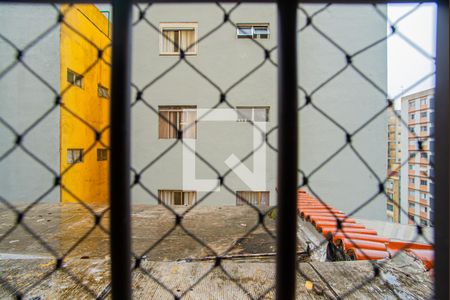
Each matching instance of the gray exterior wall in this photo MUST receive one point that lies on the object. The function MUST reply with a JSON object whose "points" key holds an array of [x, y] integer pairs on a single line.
{"points": [[224, 59], [24, 98], [350, 100], [344, 182]]}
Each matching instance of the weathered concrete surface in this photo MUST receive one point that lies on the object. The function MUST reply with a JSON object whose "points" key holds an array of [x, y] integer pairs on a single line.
{"points": [[217, 229], [399, 279], [26, 267]]}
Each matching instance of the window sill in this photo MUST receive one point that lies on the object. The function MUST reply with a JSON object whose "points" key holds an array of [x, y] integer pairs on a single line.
{"points": [[177, 54]]}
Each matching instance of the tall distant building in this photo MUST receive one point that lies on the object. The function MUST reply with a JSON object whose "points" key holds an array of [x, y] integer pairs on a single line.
{"points": [[416, 175], [393, 168]]}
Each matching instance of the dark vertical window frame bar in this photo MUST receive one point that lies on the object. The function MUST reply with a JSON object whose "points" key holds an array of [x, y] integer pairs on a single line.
{"points": [[442, 153], [120, 151], [287, 154]]}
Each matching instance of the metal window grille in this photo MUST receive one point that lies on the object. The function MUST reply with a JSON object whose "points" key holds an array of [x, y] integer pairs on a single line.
{"points": [[123, 262]]}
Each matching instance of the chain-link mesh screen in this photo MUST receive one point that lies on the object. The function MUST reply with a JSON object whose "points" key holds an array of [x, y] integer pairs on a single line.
{"points": [[54, 122], [204, 146]]}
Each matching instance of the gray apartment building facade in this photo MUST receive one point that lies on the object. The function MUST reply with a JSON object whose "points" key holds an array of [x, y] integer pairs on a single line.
{"points": [[227, 71]]}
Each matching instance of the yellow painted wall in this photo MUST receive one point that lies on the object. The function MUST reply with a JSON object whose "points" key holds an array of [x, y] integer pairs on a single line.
{"points": [[87, 180]]}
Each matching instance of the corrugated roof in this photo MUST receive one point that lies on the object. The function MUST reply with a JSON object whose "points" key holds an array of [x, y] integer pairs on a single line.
{"points": [[353, 238]]}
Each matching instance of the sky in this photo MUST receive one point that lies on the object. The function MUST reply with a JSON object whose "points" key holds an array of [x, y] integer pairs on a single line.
{"points": [[406, 65]]}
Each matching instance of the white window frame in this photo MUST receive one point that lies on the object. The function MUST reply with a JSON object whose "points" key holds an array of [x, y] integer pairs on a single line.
{"points": [[178, 26], [252, 34], [242, 118], [258, 203], [179, 109], [183, 194]]}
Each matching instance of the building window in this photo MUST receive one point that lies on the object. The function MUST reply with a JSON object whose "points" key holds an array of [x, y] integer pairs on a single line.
{"points": [[411, 205], [411, 180], [258, 199], [423, 114], [423, 155], [423, 196], [390, 207], [412, 104], [412, 116], [177, 197], [423, 182], [423, 101], [411, 217], [74, 78], [423, 222], [74, 156], [252, 31], [102, 154], [411, 167], [411, 193], [178, 36], [174, 119], [102, 91], [254, 114], [423, 128]]}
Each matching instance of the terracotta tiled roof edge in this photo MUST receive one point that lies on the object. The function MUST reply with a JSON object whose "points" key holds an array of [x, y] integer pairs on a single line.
{"points": [[354, 239]]}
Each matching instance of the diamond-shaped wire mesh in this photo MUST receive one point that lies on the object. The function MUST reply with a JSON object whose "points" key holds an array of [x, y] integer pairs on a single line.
{"points": [[47, 69], [183, 51]]}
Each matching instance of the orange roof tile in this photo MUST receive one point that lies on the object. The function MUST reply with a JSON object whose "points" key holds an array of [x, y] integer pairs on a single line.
{"points": [[359, 242], [366, 254]]}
